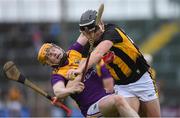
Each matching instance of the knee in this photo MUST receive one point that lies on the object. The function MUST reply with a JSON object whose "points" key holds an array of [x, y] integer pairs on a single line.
{"points": [[119, 100]]}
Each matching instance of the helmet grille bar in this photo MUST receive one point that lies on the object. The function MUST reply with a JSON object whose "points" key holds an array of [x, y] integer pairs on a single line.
{"points": [[85, 24]]}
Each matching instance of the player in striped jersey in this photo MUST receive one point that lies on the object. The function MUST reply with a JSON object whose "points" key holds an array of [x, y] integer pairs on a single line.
{"points": [[91, 97], [124, 61]]}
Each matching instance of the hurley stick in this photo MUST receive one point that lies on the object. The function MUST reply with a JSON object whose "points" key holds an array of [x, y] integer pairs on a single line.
{"points": [[91, 41], [13, 73]]}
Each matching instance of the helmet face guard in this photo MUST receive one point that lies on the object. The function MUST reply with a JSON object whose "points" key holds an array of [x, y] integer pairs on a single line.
{"points": [[88, 21], [63, 59], [89, 27]]}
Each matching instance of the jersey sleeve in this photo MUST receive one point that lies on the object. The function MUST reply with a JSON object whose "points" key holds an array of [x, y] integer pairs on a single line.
{"points": [[56, 78], [105, 72], [112, 35], [102, 71], [76, 46]]}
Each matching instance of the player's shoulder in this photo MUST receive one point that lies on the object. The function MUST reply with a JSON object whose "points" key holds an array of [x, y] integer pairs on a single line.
{"points": [[110, 27], [111, 33], [76, 48], [73, 54], [61, 71]]}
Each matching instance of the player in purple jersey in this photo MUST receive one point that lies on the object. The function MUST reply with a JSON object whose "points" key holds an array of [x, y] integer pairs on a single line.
{"points": [[90, 95], [124, 61]]}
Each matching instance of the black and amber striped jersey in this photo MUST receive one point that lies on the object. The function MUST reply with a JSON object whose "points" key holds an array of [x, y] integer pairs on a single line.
{"points": [[128, 64]]}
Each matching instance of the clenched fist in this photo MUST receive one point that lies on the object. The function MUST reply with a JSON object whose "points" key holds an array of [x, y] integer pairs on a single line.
{"points": [[75, 86]]}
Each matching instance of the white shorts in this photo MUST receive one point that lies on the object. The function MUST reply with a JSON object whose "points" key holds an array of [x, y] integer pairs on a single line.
{"points": [[144, 89], [93, 110]]}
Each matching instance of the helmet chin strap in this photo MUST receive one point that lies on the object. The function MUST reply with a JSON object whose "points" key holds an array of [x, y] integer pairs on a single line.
{"points": [[63, 59]]}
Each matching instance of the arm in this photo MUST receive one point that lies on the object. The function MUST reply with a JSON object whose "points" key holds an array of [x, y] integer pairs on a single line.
{"points": [[108, 81], [61, 91], [72, 87], [80, 44], [108, 84], [96, 55], [82, 40], [109, 38]]}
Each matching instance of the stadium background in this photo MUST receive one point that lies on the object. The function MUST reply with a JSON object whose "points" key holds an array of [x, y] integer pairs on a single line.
{"points": [[25, 25]]}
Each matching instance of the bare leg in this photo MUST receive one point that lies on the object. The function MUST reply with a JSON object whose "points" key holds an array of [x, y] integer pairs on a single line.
{"points": [[150, 108], [115, 105], [134, 103]]}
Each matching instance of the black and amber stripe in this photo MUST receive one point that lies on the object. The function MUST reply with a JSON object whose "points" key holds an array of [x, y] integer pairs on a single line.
{"points": [[123, 79], [118, 52], [130, 59], [137, 69]]}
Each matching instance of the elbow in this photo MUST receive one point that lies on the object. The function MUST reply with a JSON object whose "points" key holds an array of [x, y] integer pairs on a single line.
{"points": [[59, 94], [56, 92]]}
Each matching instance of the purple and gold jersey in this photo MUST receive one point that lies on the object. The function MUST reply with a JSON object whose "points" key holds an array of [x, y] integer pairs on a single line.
{"points": [[93, 83]]}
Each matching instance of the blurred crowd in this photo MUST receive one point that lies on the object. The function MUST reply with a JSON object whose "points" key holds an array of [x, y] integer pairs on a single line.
{"points": [[20, 42], [12, 103], [26, 24]]}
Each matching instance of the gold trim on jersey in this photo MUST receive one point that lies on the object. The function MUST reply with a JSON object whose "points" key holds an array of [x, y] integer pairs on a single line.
{"points": [[124, 67], [74, 58], [132, 51], [152, 73], [113, 73]]}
